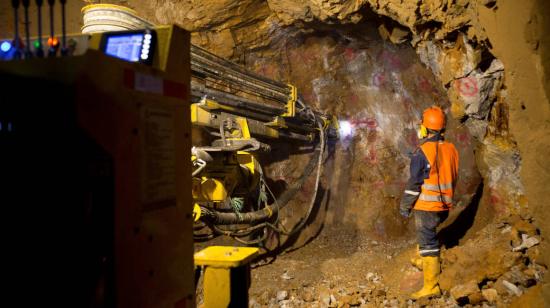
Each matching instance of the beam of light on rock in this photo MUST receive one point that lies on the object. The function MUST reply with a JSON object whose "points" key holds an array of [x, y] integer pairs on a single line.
{"points": [[346, 131]]}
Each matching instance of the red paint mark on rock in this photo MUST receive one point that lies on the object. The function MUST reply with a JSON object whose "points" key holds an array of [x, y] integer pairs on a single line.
{"points": [[354, 99], [378, 184], [308, 96], [379, 79], [371, 157], [495, 198], [497, 202], [349, 54], [424, 84], [369, 123], [391, 60], [307, 57], [467, 86], [463, 138], [372, 123]]}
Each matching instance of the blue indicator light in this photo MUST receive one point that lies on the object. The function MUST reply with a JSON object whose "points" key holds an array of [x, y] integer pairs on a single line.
{"points": [[5, 46]]}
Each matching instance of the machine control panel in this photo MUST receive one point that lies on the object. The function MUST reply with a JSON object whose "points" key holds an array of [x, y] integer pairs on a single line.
{"points": [[132, 46]]}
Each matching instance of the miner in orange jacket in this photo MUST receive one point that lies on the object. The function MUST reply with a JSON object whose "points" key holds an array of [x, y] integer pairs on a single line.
{"points": [[429, 192]]}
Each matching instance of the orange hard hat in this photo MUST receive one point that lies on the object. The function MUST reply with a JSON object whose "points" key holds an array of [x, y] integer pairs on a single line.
{"points": [[433, 118]]}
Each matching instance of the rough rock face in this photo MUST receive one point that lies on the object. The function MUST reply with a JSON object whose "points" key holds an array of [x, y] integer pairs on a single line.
{"points": [[379, 90], [328, 11], [437, 17], [223, 25]]}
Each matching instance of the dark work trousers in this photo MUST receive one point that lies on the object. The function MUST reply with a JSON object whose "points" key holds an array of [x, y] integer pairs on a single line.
{"points": [[426, 223]]}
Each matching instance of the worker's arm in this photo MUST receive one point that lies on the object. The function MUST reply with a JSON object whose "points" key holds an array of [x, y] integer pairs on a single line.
{"points": [[419, 170]]}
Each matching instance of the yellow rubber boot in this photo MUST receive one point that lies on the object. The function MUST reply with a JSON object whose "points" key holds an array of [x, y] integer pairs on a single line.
{"points": [[416, 261], [431, 278]]}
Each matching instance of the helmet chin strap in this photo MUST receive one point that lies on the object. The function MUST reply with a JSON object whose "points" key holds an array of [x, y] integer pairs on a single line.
{"points": [[422, 132]]}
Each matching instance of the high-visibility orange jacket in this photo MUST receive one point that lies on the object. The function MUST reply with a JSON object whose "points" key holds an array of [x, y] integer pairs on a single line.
{"points": [[437, 191]]}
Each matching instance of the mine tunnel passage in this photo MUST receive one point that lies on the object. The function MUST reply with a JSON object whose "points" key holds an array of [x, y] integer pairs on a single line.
{"points": [[355, 247], [377, 91]]}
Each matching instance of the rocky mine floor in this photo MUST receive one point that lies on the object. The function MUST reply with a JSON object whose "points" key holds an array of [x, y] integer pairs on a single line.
{"points": [[340, 269]]}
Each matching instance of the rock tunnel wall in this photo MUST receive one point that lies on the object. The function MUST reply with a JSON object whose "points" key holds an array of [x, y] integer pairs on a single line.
{"points": [[378, 92]]}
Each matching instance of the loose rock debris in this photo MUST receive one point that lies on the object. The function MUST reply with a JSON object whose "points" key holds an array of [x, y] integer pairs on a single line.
{"points": [[489, 270]]}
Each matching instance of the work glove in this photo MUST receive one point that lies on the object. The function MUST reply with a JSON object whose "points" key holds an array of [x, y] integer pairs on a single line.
{"points": [[405, 212], [406, 204]]}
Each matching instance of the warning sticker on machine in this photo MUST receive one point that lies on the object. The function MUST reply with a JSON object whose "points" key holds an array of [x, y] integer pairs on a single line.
{"points": [[153, 84], [148, 83], [159, 158]]}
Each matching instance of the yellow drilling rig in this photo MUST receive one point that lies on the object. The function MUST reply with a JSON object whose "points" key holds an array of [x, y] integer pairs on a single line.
{"points": [[246, 113]]}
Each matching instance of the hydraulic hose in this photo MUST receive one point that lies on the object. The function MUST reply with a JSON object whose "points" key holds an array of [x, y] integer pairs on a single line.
{"points": [[302, 223], [263, 215], [221, 218]]}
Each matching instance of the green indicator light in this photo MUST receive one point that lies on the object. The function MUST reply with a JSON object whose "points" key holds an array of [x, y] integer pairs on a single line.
{"points": [[37, 44]]}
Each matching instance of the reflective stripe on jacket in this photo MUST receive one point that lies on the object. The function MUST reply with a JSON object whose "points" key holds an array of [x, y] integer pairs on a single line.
{"points": [[437, 191]]}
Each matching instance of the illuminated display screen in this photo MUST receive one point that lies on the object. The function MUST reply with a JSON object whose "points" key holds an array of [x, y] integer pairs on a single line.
{"points": [[127, 47]]}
